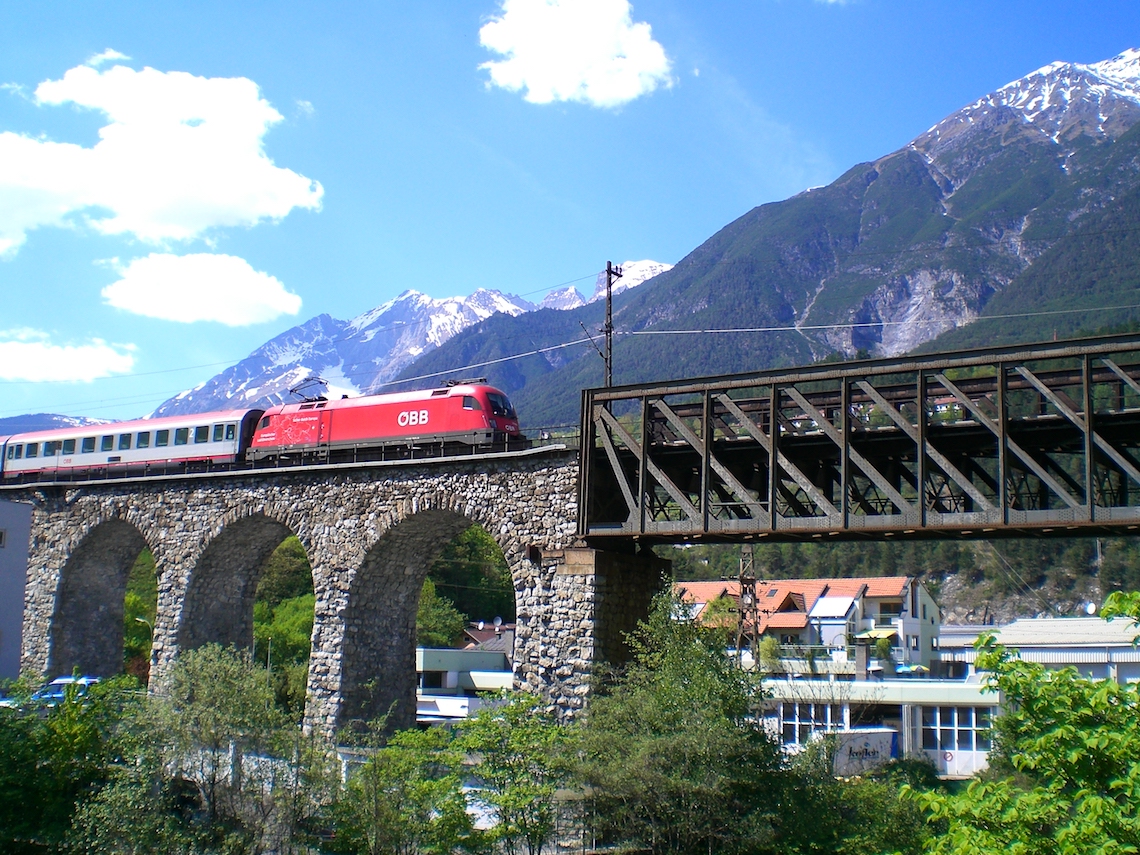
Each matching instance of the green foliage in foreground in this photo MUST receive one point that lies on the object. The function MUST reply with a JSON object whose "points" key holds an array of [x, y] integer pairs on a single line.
{"points": [[671, 759], [673, 753], [1074, 744]]}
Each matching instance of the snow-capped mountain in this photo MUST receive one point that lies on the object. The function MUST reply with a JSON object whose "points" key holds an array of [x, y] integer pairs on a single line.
{"points": [[44, 421], [1057, 103], [361, 355], [633, 273]]}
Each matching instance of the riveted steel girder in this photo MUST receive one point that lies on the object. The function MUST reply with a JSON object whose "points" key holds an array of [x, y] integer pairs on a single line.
{"points": [[1037, 439]]}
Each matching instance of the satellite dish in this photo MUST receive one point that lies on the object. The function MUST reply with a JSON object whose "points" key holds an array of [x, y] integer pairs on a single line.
{"points": [[1090, 609], [498, 621], [481, 624]]}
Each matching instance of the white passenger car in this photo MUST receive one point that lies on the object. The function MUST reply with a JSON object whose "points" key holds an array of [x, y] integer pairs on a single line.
{"points": [[173, 443]]}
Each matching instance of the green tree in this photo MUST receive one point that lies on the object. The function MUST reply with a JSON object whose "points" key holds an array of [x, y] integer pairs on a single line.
{"points": [[672, 751], [140, 604], [286, 574], [51, 762], [282, 637], [438, 622], [407, 799], [257, 777], [473, 574], [1075, 744], [521, 763]]}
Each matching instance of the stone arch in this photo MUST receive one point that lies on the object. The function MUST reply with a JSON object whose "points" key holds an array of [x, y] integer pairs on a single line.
{"points": [[378, 673], [87, 625], [218, 605]]}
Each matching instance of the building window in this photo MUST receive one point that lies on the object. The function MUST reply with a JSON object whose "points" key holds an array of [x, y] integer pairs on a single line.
{"points": [[3, 538], [915, 642], [799, 721], [956, 728], [432, 680]]}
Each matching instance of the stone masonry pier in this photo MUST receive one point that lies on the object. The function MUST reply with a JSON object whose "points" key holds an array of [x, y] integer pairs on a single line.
{"points": [[370, 534]]}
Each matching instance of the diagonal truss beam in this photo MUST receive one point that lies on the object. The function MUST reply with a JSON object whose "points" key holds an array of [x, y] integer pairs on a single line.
{"points": [[615, 464], [802, 481], [868, 469], [680, 498], [755, 509], [1069, 412], [942, 461], [1021, 454]]}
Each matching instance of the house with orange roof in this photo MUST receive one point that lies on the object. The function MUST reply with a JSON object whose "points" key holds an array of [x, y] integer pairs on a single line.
{"points": [[825, 619]]}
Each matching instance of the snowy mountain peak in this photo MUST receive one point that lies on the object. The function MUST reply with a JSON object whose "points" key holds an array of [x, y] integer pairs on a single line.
{"points": [[633, 273], [364, 354], [1059, 100]]}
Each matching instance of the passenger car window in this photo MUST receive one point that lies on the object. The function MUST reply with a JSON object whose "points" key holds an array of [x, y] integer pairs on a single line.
{"points": [[231, 431], [124, 442], [32, 449], [88, 445], [161, 437], [107, 443], [143, 440], [218, 433], [69, 446], [181, 436], [202, 434], [51, 448]]}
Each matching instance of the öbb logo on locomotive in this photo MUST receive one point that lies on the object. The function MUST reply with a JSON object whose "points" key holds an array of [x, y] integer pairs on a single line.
{"points": [[459, 418]]}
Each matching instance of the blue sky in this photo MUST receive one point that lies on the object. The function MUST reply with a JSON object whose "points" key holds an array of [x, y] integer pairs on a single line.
{"points": [[181, 182]]}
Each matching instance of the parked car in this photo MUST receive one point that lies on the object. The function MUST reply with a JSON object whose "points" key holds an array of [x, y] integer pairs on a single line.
{"points": [[51, 694]]}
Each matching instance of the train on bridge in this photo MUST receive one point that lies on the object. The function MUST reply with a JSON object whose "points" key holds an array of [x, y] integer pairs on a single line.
{"points": [[461, 418]]}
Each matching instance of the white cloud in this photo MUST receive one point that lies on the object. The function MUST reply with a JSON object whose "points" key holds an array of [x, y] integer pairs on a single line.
{"points": [[106, 56], [305, 108], [588, 51], [180, 155], [200, 287], [29, 355]]}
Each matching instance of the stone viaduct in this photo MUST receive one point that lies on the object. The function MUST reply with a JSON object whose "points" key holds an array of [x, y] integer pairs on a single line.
{"points": [[370, 531]]}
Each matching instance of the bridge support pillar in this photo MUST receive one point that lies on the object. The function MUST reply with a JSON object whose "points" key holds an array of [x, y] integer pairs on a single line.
{"points": [[574, 613]]}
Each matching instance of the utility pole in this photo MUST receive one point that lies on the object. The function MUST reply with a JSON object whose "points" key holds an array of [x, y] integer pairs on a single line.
{"points": [[748, 622], [612, 273]]}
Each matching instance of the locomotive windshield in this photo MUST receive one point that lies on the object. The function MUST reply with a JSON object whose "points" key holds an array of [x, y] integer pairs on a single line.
{"points": [[500, 406]]}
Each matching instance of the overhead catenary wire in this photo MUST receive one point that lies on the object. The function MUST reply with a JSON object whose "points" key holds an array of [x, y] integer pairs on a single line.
{"points": [[621, 333]]}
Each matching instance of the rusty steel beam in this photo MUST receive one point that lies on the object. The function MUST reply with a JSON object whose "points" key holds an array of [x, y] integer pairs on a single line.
{"points": [[1041, 439]]}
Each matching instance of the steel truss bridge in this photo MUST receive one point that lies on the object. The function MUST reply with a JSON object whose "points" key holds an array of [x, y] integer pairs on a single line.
{"points": [[1030, 440]]}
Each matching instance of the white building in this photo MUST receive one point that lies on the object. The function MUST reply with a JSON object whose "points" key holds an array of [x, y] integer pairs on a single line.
{"points": [[15, 531], [1099, 649]]}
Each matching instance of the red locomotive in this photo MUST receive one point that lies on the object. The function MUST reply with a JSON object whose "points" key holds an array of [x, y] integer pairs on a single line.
{"points": [[472, 415]]}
